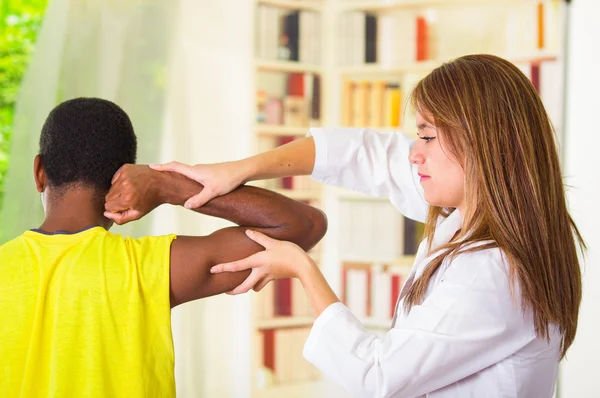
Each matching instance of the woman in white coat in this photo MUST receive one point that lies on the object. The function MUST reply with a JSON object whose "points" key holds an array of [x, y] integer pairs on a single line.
{"points": [[491, 304]]}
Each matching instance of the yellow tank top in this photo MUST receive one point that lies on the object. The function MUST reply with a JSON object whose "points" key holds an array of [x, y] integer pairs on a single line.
{"points": [[85, 315]]}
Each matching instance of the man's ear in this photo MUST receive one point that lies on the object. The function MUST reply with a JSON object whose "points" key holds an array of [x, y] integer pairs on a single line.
{"points": [[39, 174]]}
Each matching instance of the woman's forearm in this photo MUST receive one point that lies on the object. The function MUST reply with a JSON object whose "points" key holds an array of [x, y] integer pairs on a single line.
{"points": [[317, 289], [295, 158]]}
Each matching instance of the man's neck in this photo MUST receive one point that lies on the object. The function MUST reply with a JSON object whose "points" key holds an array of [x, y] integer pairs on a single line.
{"points": [[73, 209]]}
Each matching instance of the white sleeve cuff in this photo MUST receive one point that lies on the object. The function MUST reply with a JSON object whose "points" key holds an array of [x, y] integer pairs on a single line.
{"points": [[310, 347], [320, 170]]}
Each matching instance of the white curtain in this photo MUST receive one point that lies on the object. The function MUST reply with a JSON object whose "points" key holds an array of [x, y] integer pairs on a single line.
{"points": [[182, 70]]}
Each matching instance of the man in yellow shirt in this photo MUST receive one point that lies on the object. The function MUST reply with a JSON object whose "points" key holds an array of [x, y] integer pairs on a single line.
{"points": [[86, 313]]}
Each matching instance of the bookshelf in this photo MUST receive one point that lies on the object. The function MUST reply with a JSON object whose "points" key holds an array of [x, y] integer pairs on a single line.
{"points": [[384, 6], [289, 84], [332, 73]]}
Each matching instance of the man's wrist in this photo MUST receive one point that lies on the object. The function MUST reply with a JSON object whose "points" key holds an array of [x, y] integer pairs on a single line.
{"points": [[174, 188]]}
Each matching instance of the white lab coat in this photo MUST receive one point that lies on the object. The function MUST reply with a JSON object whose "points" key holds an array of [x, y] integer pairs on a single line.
{"points": [[469, 337]]}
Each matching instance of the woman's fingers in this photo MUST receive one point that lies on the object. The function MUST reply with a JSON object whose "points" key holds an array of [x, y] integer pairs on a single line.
{"points": [[248, 284], [176, 167], [262, 239], [254, 260], [261, 284], [200, 199]]}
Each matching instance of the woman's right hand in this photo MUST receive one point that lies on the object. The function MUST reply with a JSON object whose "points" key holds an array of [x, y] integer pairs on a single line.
{"points": [[218, 179]]}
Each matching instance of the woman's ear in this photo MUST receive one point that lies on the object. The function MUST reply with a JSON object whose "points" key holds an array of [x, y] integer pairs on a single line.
{"points": [[39, 174]]}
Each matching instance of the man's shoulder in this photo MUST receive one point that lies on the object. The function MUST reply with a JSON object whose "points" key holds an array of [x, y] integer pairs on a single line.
{"points": [[13, 243]]}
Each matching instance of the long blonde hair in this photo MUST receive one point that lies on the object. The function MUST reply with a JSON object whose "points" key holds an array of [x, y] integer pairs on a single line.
{"points": [[493, 121]]}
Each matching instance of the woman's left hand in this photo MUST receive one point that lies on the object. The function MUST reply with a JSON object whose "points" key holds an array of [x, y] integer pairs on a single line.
{"points": [[280, 259]]}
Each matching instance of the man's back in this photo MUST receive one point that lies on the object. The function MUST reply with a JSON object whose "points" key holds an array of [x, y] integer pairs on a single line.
{"points": [[89, 316]]}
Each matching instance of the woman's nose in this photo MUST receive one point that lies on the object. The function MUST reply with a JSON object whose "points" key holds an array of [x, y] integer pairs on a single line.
{"points": [[415, 156]]}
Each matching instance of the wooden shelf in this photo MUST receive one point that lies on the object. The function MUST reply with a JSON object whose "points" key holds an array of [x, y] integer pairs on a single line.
{"points": [[427, 66], [377, 69], [535, 58], [286, 67], [299, 194], [274, 130], [403, 263], [285, 322], [293, 5], [386, 6]]}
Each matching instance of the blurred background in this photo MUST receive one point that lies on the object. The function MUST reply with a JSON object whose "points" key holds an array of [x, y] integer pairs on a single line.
{"points": [[213, 81]]}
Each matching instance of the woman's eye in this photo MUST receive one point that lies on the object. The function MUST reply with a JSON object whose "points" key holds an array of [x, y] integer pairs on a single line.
{"points": [[427, 139]]}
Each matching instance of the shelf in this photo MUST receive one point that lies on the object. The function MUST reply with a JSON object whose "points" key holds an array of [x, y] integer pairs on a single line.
{"points": [[377, 69], [428, 66], [536, 58], [386, 6], [274, 130], [293, 5], [286, 67], [285, 322], [404, 263], [299, 194]]}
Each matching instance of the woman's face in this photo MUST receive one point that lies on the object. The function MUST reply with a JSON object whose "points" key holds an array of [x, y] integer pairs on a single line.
{"points": [[442, 177]]}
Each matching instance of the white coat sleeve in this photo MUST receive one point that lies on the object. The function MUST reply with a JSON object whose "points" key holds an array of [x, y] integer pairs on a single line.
{"points": [[467, 323], [374, 164]]}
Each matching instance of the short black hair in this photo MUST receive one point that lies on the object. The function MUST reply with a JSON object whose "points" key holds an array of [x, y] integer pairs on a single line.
{"points": [[85, 141]]}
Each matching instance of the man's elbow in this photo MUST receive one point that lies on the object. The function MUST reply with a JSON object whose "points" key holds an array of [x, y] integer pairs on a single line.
{"points": [[317, 227]]}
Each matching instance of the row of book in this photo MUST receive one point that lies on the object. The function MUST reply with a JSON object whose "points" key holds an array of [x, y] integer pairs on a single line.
{"points": [[375, 231], [372, 103], [387, 39], [287, 35], [281, 359], [406, 36], [295, 102], [371, 290], [283, 298]]}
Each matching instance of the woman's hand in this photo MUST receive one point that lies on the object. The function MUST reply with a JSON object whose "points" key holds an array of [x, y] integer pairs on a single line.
{"points": [[218, 179], [280, 259]]}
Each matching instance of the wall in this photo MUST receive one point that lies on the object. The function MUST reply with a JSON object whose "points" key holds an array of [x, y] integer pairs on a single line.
{"points": [[579, 373]]}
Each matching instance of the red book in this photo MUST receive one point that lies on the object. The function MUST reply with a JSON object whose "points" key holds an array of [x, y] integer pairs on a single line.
{"points": [[396, 281], [283, 297], [295, 84], [269, 349], [535, 76], [422, 39]]}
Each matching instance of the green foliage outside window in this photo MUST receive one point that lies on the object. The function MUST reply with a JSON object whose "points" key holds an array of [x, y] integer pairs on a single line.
{"points": [[20, 21]]}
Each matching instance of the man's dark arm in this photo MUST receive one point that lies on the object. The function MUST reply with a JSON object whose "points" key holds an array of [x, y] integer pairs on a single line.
{"points": [[137, 190]]}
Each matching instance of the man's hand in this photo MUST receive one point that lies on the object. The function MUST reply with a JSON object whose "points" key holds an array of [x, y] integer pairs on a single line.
{"points": [[217, 179], [135, 192]]}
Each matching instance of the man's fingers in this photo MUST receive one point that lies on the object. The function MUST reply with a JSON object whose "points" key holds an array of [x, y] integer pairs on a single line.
{"points": [[115, 206], [117, 175], [118, 218], [176, 167], [123, 217], [200, 199]]}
